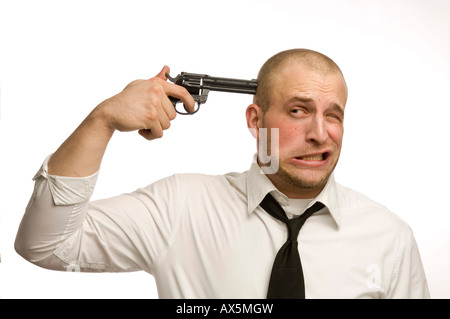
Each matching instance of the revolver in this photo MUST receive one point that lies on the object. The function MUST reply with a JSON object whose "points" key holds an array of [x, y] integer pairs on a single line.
{"points": [[199, 85]]}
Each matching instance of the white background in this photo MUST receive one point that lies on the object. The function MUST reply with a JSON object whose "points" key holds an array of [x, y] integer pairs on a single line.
{"points": [[59, 59]]}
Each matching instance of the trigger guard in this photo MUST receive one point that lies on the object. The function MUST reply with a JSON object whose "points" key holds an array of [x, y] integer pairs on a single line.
{"points": [[187, 113]]}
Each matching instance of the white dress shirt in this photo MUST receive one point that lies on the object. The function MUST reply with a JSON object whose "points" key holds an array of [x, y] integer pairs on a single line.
{"points": [[204, 236]]}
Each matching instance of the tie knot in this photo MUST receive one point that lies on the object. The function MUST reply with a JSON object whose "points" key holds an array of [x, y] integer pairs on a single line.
{"points": [[294, 225]]}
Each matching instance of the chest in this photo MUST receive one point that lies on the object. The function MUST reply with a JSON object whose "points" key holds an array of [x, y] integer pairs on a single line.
{"points": [[217, 257]]}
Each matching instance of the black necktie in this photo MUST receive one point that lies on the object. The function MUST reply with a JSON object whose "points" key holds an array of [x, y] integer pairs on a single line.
{"points": [[286, 280]]}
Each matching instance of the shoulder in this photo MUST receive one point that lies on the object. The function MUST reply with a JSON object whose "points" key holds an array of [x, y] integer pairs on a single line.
{"points": [[197, 180], [350, 198], [188, 183], [356, 205]]}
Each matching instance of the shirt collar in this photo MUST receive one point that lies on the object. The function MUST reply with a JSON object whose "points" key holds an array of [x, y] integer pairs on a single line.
{"points": [[258, 185]]}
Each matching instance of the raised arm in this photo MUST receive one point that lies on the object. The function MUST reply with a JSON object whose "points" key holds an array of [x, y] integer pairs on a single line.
{"points": [[142, 106], [61, 227]]}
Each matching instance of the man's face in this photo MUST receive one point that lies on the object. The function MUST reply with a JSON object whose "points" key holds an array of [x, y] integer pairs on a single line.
{"points": [[308, 109]]}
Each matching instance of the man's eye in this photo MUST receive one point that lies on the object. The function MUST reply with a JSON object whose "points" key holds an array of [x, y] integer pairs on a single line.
{"points": [[298, 111], [336, 117]]}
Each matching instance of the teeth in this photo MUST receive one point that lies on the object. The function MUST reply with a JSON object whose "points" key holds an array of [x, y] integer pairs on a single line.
{"points": [[313, 158]]}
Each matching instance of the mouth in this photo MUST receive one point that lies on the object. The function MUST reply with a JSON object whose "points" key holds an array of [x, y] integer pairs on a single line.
{"points": [[313, 160], [314, 157]]}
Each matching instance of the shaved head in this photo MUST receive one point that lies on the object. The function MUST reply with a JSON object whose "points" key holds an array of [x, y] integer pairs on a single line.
{"points": [[313, 60]]}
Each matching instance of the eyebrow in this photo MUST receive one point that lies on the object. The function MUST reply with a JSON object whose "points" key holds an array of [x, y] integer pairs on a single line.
{"points": [[334, 106], [301, 99]]}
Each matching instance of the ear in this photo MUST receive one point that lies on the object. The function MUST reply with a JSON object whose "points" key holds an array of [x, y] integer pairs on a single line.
{"points": [[254, 119]]}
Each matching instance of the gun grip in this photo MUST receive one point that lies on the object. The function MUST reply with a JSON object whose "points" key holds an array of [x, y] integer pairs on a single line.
{"points": [[174, 100]]}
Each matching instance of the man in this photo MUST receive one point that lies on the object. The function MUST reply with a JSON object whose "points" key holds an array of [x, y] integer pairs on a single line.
{"points": [[208, 236]]}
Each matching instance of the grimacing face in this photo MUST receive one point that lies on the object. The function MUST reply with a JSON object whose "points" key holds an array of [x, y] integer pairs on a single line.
{"points": [[308, 109]]}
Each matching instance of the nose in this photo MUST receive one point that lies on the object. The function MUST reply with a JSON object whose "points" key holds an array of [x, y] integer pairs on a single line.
{"points": [[316, 131]]}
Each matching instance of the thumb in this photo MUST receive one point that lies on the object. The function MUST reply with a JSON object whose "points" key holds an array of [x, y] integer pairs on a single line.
{"points": [[162, 73]]}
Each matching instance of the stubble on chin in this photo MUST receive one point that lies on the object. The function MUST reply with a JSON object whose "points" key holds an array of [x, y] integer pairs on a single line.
{"points": [[301, 181], [298, 182]]}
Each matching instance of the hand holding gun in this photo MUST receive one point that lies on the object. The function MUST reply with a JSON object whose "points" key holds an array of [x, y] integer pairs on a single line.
{"points": [[199, 85]]}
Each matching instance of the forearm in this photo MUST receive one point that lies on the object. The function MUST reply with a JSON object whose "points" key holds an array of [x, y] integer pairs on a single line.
{"points": [[82, 152]]}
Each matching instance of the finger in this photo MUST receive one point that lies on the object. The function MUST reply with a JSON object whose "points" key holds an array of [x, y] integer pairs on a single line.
{"points": [[162, 73], [146, 133], [157, 131], [181, 93], [152, 133], [164, 120], [169, 109]]}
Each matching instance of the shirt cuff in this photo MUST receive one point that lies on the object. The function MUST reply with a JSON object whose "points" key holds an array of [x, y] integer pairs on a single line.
{"points": [[67, 190]]}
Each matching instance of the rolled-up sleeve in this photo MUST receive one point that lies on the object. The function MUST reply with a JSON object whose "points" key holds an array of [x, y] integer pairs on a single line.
{"points": [[63, 230]]}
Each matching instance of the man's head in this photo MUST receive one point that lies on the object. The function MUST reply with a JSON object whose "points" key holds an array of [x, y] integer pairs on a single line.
{"points": [[302, 93]]}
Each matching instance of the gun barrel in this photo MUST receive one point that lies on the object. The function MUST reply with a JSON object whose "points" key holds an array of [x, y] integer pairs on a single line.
{"points": [[230, 85]]}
